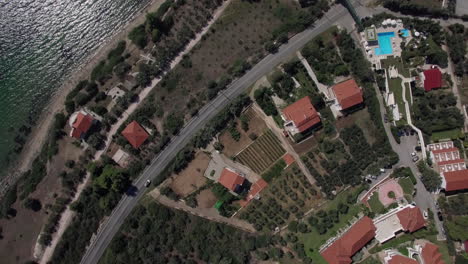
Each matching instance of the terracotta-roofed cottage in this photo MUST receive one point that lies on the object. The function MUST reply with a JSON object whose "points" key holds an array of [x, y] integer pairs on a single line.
{"points": [[231, 180], [432, 79], [300, 116], [80, 122], [341, 251], [254, 191], [135, 134], [430, 254], [399, 259], [455, 180], [411, 219], [348, 94]]}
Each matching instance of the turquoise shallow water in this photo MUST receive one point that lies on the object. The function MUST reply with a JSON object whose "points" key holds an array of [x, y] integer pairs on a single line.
{"points": [[41, 42], [385, 43]]}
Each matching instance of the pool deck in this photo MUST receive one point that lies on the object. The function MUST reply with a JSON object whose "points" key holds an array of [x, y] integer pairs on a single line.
{"points": [[395, 41]]}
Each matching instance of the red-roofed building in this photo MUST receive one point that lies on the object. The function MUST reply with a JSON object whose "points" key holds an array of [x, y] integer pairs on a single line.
{"points": [[455, 180], [431, 79], [135, 134], [80, 123], [289, 159], [430, 254], [348, 94], [342, 249], [254, 191], [440, 155], [231, 180], [411, 219], [399, 259], [451, 165], [300, 116], [440, 145]]}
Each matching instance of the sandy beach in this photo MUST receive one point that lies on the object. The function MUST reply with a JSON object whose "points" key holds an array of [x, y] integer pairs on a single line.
{"points": [[40, 131]]}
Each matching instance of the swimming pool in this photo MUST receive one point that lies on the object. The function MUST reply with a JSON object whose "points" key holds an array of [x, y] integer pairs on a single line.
{"points": [[385, 43], [405, 33]]}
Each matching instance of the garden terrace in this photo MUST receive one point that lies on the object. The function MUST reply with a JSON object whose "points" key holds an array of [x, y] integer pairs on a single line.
{"points": [[287, 197], [325, 223], [324, 58], [435, 111], [184, 238], [262, 153]]}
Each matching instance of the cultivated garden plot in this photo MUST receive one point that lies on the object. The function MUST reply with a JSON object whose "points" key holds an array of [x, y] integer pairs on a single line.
{"points": [[287, 197], [262, 153]]}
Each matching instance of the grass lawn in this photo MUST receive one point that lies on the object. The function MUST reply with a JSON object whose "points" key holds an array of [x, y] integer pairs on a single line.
{"points": [[392, 61], [406, 185], [447, 134], [395, 87], [313, 240], [375, 204], [307, 86]]}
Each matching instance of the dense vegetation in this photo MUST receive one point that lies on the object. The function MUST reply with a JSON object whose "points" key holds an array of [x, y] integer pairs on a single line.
{"points": [[457, 45], [455, 208], [324, 58], [409, 7], [429, 177], [435, 111], [156, 234]]}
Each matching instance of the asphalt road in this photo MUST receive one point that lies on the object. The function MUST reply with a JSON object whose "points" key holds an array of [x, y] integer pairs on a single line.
{"points": [[111, 226], [423, 199]]}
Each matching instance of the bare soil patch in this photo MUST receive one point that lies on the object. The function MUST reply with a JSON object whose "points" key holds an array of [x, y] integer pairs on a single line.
{"points": [[206, 199], [21, 232], [362, 119], [192, 177], [307, 145], [257, 126]]}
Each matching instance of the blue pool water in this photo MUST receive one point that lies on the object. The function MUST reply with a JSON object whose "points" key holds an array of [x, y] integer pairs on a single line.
{"points": [[385, 43], [405, 33]]}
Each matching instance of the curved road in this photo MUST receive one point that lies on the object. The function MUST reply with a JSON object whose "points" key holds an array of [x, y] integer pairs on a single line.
{"points": [[111, 226]]}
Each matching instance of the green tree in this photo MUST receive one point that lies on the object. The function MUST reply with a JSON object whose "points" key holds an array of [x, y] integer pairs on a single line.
{"points": [[32, 204]]}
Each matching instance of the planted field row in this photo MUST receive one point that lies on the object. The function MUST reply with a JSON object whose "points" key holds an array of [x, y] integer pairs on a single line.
{"points": [[286, 198], [262, 153]]}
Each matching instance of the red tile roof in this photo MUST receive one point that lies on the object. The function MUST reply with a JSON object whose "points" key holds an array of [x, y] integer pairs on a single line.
{"points": [[456, 180], [230, 179], [255, 189], [302, 113], [447, 162], [341, 251], [135, 134], [448, 150], [431, 255], [399, 259], [432, 79], [81, 125], [348, 93], [411, 219], [289, 159]]}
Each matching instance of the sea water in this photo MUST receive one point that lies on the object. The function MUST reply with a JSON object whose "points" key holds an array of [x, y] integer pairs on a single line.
{"points": [[41, 44]]}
